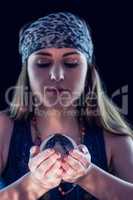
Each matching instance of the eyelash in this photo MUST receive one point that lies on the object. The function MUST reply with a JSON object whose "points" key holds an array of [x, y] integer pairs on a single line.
{"points": [[68, 65]]}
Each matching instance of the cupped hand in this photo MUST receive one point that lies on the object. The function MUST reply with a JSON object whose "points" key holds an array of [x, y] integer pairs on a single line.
{"points": [[76, 165], [45, 167]]}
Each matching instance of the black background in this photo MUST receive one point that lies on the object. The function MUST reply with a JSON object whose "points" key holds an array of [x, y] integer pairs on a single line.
{"points": [[111, 24]]}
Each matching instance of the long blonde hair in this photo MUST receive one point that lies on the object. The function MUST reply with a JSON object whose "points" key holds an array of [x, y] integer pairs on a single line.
{"points": [[105, 113]]}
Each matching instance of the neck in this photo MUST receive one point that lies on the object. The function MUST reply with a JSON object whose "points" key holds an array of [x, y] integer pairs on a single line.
{"points": [[58, 121], [55, 121], [58, 118]]}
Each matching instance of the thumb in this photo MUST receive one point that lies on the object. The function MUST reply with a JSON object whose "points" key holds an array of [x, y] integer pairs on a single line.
{"points": [[34, 150], [83, 149]]}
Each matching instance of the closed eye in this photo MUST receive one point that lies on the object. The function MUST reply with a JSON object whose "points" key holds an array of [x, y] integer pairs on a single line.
{"points": [[71, 65], [43, 65], [68, 65]]}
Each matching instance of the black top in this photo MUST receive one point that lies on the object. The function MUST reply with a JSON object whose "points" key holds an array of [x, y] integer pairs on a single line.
{"points": [[18, 157]]}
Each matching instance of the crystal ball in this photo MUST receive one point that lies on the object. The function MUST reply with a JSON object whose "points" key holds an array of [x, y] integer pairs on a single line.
{"points": [[60, 143]]}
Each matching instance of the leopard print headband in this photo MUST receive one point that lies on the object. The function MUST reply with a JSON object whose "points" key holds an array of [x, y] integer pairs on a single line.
{"points": [[62, 29]]}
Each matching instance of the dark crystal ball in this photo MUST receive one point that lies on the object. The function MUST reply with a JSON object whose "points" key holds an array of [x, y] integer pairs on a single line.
{"points": [[61, 143]]}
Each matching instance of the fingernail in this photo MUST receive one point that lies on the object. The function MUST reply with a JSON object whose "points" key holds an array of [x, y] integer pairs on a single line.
{"points": [[32, 150], [50, 150], [58, 153], [65, 157], [71, 151]]}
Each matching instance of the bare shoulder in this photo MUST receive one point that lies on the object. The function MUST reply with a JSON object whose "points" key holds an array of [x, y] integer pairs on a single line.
{"points": [[118, 143], [108, 141], [119, 151], [6, 126]]}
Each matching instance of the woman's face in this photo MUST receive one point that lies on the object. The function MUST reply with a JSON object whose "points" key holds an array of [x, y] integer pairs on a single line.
{"points": [[57, 75]]}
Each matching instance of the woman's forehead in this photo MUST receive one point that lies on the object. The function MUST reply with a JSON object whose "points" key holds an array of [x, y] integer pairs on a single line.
{"points": [[58, 51]]}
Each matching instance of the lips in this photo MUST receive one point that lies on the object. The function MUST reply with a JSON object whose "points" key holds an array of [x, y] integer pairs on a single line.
{"points": [[57, 90], [51, 90], [62, 90]]}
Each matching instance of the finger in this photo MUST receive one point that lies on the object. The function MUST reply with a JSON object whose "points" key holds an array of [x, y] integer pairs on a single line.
{"points": [[55, 171], [70, 173], [34, 151], [83, 149], [38, 159], [74, 163], [65, 166], [84, 159], [59, 173], [47, 164]]}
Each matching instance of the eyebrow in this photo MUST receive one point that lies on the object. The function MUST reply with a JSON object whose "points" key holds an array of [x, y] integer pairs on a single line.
{"points": [[49, 54], [70, 53]]}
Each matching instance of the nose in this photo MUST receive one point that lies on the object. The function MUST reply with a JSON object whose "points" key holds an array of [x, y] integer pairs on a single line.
{"points": [[56, 73]]}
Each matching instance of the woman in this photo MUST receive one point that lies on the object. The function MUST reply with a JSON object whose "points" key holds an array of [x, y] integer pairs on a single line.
{"points": [[59, 91]]}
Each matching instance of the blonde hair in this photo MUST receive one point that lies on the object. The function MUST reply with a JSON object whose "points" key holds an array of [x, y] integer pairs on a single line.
{"points": [[106, 113]]}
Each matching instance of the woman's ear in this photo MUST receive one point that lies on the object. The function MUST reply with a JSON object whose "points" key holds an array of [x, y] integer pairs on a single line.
{"points": [[93, 59]]}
